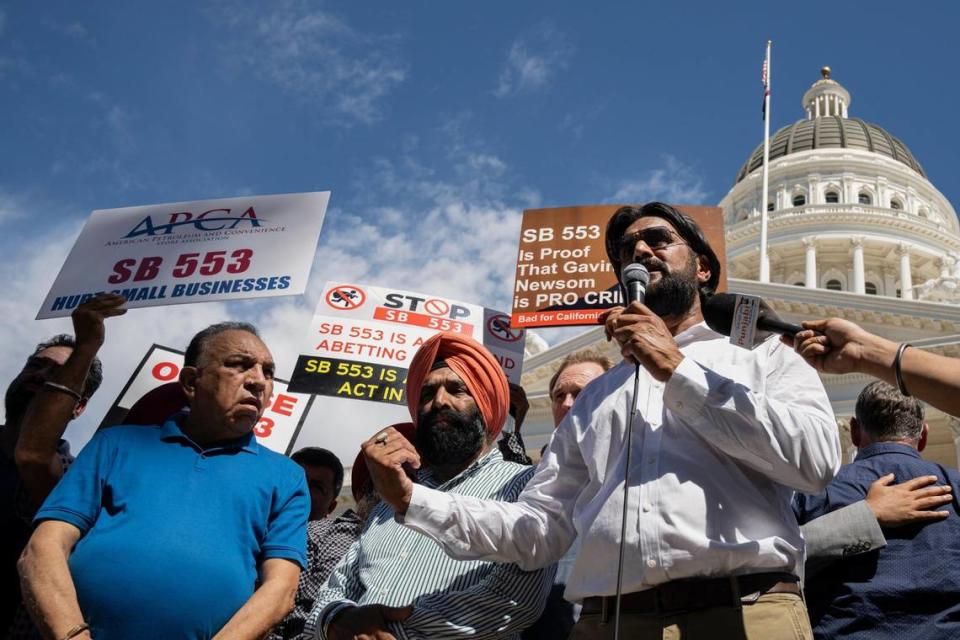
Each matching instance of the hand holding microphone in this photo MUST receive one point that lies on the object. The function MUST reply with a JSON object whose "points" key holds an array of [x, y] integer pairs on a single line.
{"points": [[830, 346], [643, 336]]}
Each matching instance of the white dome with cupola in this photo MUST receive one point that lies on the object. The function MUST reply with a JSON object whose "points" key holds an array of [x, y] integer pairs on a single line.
{"points": [[849, 208]]}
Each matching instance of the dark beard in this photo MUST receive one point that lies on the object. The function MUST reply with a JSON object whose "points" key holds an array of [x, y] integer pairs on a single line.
{"points": [[445, 437], [673, 293]]}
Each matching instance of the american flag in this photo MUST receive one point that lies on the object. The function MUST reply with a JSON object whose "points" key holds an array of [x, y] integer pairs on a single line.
{"points": [[766, 87]]}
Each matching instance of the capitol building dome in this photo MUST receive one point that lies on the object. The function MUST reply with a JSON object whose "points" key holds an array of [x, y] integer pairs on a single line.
{"points": [[849, 207]]}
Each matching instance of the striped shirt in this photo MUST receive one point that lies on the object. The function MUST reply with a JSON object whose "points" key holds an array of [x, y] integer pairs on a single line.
{"points": [[395, 566]]}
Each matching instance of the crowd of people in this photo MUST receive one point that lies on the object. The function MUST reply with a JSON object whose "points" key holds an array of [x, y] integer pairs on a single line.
{"points": [[726, 514]]}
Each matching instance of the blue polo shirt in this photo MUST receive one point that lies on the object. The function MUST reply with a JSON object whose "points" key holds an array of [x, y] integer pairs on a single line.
{"points": [[910, 588], [173, 534]]}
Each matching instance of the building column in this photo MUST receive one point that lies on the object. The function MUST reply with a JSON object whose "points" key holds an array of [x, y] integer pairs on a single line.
{"points": [[906, 281], [954, 425], [859, 277], [810, 270]]}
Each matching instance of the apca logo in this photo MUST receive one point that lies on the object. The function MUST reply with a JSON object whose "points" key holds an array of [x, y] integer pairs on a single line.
{"points": [[212, 220]]}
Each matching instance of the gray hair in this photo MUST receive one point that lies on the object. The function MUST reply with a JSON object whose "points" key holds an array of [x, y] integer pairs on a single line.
{"points": [[198, 344]]}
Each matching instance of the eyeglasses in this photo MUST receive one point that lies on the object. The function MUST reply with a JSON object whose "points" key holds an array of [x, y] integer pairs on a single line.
{"points": [[657, 238]]}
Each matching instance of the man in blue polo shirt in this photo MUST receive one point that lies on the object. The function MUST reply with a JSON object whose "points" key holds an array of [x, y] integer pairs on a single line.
{"points": [[911, 587], [163, 532]]}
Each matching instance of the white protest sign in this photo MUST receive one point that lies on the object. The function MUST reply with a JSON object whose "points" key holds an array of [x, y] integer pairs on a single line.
{"points": [[225, 249], [276, 430], [361, 341]]}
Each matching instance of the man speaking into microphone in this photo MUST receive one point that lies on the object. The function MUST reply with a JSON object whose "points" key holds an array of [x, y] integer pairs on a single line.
{"points": [[721, 438]]}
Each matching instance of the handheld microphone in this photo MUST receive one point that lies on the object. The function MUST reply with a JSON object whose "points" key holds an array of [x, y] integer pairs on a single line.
{"points": [[719, 311], [634, 279]]}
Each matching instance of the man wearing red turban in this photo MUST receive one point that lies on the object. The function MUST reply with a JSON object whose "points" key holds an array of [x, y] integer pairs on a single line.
{"points": [[395, 583]]}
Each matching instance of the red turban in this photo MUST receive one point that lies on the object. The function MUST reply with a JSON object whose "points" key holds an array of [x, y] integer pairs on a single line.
{"points": [[476, 366], [360, 474]]}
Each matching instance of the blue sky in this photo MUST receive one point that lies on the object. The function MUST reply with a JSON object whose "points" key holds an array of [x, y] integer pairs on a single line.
{"points": [[433, 124]]}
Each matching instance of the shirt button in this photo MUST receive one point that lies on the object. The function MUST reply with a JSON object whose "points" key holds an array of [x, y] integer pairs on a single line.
{"points": [[646, 507], [651, 461], [679, 405], [403, 555], [651, 563]]}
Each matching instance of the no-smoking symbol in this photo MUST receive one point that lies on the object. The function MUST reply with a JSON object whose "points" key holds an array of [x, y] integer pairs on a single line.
{"points": [[499, 327], [436, 307], [346, 297]]}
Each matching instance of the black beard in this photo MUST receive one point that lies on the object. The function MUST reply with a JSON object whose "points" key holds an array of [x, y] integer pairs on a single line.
{"points": [[445, 437], [673, 293]]}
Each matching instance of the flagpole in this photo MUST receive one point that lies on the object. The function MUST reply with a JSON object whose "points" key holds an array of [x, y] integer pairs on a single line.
{"points": [[764, 259]]}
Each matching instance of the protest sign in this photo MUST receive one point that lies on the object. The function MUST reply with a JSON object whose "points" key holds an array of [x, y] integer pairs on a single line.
{"points": [[563, 274], [359, 348], [277, 428], [225, 249]]}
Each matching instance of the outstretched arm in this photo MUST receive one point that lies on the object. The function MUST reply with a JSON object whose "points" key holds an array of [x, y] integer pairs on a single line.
{"points": [[54, 406], [840, 346]]}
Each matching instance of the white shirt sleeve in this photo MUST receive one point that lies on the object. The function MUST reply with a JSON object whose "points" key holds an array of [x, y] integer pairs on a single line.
{"points": [[533, 532], [781, 425]]}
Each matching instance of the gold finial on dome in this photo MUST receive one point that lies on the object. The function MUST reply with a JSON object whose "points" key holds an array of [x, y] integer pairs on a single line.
{"points": [[825, 72]]}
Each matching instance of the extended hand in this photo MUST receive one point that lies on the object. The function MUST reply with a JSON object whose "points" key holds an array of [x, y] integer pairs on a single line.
{"points": [[644, 339], [88, 318], [895, 505], [832, 345], [368, 622], [386, 454]]}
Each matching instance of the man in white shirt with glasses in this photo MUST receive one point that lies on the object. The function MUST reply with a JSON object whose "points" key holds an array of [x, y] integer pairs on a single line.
{"points": [[722, 438]]}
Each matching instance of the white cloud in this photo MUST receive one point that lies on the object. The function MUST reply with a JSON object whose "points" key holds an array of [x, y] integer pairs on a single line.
{"points": [[315, 55], [675, 182], [454, 235], [533, 61], [78, 31]]}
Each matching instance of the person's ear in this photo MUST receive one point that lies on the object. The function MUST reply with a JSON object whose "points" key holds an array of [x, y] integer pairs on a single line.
{"points": [[188, 382], [703, 269], [855, 432], [924, 432], [79, 409]]}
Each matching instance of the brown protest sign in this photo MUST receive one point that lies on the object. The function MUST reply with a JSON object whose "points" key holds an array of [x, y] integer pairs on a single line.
{"points": [[563, 275]]}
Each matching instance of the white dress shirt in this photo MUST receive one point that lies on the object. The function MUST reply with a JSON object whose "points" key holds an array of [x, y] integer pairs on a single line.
{"points": [[717, 452]]}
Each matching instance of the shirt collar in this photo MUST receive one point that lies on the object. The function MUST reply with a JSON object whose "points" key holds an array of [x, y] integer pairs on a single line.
{"points": [[427, 478], [880, 448], [171, 431], [696, 333]]}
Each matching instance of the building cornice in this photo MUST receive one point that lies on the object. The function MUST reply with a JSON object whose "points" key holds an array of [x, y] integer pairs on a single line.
{"points": [[840, 218], [823, 303]]}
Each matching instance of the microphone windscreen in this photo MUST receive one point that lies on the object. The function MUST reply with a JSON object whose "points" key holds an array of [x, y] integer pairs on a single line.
{"points": [[718, 312], [635, 272]]}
